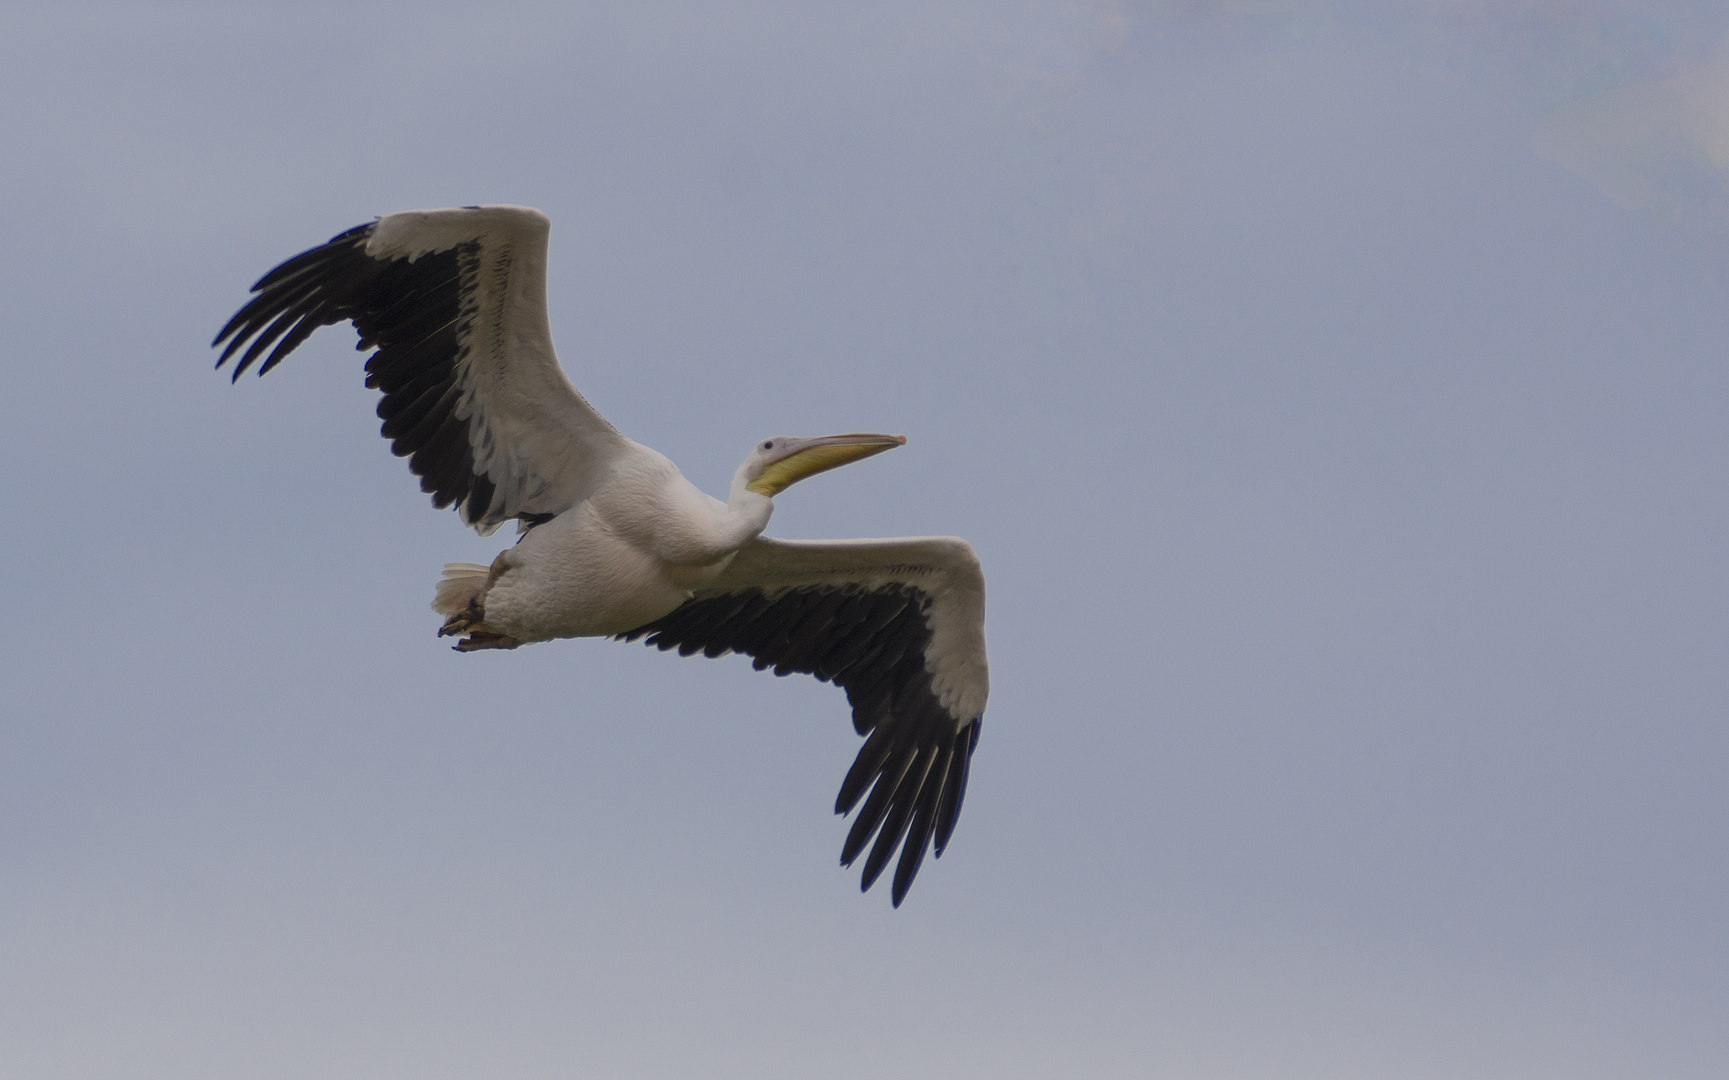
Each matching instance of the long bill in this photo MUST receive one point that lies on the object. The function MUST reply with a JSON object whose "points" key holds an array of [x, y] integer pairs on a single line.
{"points": [[807, 457]]}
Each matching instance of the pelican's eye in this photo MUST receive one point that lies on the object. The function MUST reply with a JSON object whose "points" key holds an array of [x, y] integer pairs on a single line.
{"points": [[768, 445]]}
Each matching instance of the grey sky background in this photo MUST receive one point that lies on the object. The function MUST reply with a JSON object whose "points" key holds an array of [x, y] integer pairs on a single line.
{"points": [[1334, 392]]}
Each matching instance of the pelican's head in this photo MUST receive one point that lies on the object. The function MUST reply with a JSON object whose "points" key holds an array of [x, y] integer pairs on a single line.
{"points": [[776, 464]]}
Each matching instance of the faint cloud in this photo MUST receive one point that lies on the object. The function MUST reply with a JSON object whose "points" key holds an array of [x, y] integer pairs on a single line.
{"points": [[1661, 146]]}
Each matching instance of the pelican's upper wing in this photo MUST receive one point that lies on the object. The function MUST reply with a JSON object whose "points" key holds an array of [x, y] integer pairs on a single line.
{"points": [[900, 625], [455, 301]]}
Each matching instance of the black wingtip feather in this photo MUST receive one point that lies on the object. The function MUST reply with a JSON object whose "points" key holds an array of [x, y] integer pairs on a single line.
{"points": [[894, 827], [955, 791], [878, 804], [876, 749], [919, 831]]}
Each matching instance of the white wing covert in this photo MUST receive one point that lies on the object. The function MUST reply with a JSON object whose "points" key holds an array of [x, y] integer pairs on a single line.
{"points": [[898, 624], [455, 302]]}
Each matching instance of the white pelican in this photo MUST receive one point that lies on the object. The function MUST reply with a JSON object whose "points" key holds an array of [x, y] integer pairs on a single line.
{"points": [[617, 542]]}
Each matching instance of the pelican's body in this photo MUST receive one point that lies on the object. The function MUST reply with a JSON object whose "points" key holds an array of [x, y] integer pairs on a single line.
{"points": [[617, 542], [627, 555]]}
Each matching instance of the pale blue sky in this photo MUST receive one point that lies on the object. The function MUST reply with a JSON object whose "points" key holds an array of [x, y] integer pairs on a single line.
{"points": [[1334, 392]]}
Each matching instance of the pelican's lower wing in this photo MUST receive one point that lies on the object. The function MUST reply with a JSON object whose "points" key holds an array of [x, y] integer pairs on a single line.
{"points": [[900, 625]]}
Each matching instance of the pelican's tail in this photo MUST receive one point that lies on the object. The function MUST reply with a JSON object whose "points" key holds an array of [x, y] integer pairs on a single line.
{"points": [[461, 600], [460, 588]]}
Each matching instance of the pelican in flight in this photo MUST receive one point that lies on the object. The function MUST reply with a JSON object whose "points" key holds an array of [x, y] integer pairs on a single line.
{"points": [[615, 541]]}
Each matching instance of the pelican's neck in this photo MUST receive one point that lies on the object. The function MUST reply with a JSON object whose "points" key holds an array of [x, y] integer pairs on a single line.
{"points": [[723, 530], [747, 511], [710, 530], [684, 527]]}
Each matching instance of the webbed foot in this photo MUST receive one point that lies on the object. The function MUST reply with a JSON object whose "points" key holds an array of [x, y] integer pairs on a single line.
{"points": [[458, 624]]}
